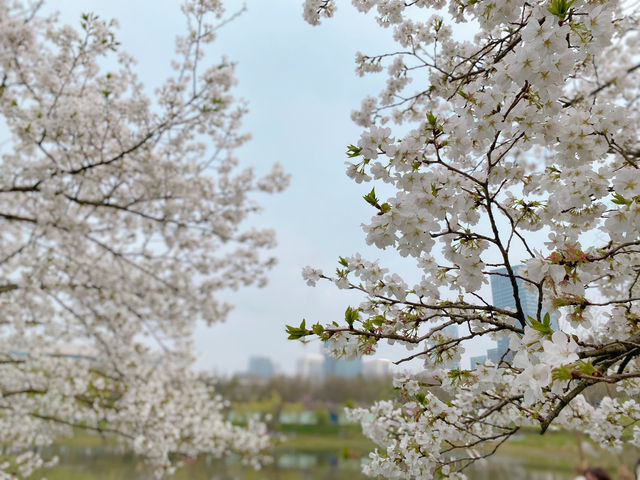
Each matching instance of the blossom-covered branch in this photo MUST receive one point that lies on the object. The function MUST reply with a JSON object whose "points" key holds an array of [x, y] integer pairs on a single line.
{"points": [[122, 218], [517, 162]]}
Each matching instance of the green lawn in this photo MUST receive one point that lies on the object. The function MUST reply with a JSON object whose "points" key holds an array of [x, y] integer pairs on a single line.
{"points": [[351, 445], [562, 451]]}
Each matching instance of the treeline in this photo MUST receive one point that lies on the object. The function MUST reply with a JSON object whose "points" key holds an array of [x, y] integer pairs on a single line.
{"points": [[333, 391], [338, 391]]}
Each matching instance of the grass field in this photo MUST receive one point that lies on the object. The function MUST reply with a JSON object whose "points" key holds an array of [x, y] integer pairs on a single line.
{"points": [[563, 451]]}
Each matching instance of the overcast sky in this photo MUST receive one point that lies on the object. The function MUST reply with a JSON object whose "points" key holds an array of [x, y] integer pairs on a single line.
{"points": [[300, 86]]}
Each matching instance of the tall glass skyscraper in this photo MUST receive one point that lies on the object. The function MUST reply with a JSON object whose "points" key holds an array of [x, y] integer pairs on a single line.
{"points": [[339, 367], [503, 297], [452, 331], [261, 367]]}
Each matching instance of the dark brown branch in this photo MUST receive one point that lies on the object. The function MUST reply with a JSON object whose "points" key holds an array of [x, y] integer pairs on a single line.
{"points": [[563, 402]]}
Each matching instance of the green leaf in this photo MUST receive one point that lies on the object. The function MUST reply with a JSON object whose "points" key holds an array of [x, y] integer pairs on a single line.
{"points": [[586, 367], [562, 373], [458, 376], [298, 332], [385, 207], [342, 261], [620, 200], [562, 302], [353, 151], [543, 327], [467, 97], [433, 120], [351, 315], [370, 197], [560, 8]]}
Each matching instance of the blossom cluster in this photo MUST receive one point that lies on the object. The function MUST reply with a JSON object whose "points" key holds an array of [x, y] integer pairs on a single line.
{"points": [[122, 218], [516, 156]]}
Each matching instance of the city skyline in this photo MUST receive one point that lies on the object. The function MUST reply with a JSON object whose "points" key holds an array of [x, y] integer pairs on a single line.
{"points": [[318, 367]]}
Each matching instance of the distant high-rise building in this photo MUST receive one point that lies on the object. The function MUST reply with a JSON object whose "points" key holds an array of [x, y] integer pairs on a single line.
{"points": [[311, 367], [261, 367], [452, 331], [503, 297], [492, 354], [376, 367], [339, 367], [477, 360]]}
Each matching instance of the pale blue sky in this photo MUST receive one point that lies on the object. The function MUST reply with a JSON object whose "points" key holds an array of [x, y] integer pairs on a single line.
{"points": [[300, 85]]}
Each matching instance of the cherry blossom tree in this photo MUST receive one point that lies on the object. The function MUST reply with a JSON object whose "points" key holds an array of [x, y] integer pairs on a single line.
{"points": [[121, 222], [516, 155]]}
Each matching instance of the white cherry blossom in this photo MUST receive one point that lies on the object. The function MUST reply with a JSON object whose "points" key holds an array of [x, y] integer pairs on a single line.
{"points": [[121, 221], [560, 350], [512, 157]]}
